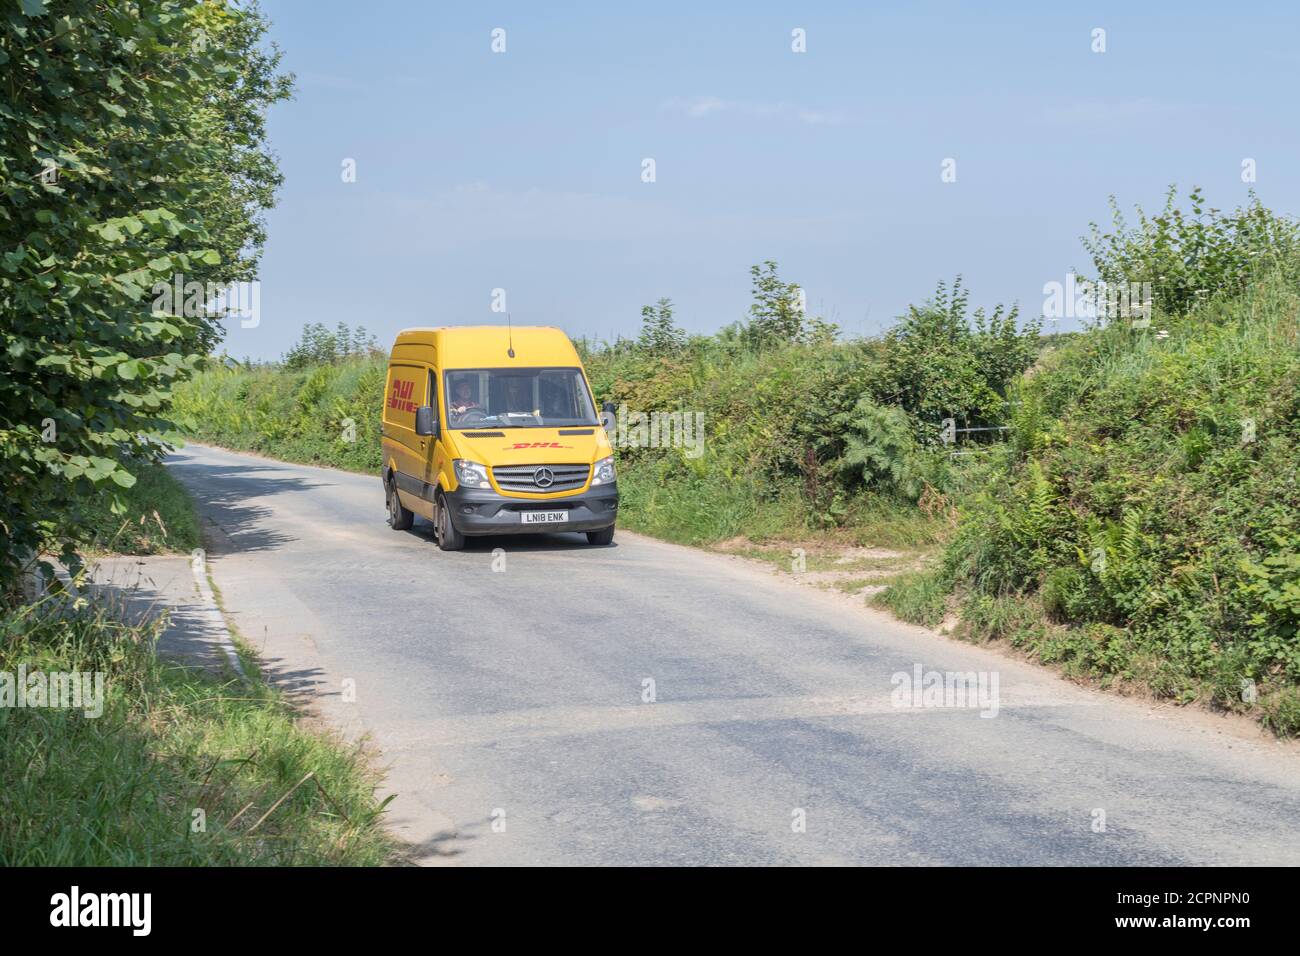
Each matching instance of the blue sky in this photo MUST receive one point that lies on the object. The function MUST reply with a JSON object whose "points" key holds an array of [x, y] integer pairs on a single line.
{"points": [[522, 170]]}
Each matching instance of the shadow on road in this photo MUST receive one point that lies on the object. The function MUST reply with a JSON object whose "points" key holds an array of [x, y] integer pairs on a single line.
{"points": [[222, 493], [303, 687], [441, 846], [570, 541], [160, 588]]}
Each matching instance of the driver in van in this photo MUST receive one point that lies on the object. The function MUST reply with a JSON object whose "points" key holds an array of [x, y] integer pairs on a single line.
{"points": [[463, 398]]}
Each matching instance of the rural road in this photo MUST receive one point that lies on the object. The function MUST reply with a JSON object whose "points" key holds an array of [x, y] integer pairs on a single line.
{"points": [[507, 706]]}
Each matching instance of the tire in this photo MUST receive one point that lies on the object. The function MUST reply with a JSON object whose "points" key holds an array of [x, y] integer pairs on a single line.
{"points": [[400, 517], [603, 536], [449, 539]]}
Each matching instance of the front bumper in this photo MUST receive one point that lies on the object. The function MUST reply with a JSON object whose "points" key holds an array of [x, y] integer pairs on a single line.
{"points": [[484, 511]]}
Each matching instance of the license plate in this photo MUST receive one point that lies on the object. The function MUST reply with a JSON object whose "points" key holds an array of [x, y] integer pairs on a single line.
{"points": [[543, 517]]}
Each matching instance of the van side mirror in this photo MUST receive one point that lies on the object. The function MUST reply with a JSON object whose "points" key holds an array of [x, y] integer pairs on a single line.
{"points": [[426, 420], [608, 408]]}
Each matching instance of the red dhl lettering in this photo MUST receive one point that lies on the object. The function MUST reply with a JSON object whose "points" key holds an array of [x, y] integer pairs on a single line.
{"points": [[537, 444], [399, 397]]}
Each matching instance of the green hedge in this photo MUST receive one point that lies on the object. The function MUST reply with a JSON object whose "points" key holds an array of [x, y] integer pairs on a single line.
{"points": [[1143, 524], [324, 415]]}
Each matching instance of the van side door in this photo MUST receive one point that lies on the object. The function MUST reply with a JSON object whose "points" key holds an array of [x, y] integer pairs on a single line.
{"points": [[405, 392], [435, 455]]}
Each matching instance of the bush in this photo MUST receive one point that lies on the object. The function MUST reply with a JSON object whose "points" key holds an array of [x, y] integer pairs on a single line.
{"points": [[659, 335], [880, 449], [938, 363], [1189, 257], [1281, 712], [777, 316], [919, 597], [1068, 595], [1270, 585]]}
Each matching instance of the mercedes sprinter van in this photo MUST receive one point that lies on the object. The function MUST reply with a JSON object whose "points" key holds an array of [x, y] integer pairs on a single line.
{"points": [[493, 430]]}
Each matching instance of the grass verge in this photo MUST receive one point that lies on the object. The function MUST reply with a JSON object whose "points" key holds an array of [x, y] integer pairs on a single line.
{"points": [[919, 597], [181, 768], [153, 516]]}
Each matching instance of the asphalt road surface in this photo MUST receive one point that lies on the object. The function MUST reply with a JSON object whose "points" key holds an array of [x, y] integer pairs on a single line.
{"points": [[514, 714]]}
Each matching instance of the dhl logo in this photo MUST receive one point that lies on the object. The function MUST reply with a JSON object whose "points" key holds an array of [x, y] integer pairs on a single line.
{"points": [[536, 444], [400, 396]]}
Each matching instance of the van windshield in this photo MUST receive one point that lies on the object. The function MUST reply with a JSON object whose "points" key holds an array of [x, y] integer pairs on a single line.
{"points": [[518, 398]]}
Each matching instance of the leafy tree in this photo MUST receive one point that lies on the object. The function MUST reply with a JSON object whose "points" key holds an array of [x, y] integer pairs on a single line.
{"points": [[777, 313], [658, 333], [319, 346], [130, 153], [938, 363], [238, 183], [362, 341], [1189, 256]]}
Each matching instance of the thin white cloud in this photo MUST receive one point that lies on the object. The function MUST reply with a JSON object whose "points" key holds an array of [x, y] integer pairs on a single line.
{"points": [[478, 212], [1101, 112], [703, 106], [699, 107], [821, 118]]}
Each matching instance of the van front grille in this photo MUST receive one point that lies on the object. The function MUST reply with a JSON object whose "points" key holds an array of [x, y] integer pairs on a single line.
{"points": [[540, 479]]}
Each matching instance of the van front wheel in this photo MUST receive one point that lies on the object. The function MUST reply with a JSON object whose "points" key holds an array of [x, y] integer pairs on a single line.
{"points": [[400, 517], [449, 539], [603, 536]]}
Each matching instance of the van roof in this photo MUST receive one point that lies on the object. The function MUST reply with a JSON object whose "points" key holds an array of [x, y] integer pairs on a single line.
{"points": [[484, 346], [457, 330]]}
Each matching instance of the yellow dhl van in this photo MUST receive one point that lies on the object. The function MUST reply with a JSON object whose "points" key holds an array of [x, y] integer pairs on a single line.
{"points": [[493, 430]]}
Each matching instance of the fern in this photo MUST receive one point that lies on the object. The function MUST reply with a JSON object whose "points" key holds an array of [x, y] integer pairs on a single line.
{"points": [[880, 448]]}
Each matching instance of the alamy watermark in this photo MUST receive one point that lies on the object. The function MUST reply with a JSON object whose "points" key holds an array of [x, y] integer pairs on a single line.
{"points": [[194, 299], [57, 690], [1077, 298], [633, 429], [934, 689], [75, 908]]}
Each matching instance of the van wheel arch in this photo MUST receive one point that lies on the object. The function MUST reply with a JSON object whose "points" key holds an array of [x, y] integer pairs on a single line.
{"points": [[449, 539], [400, 517]]}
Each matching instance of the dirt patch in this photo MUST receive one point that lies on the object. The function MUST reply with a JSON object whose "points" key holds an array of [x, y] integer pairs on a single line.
{"points": [[854, 570], [849, 555], [835, 578], [738, 543]]}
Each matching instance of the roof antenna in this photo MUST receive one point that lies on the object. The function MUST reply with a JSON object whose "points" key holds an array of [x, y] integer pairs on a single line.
{"points": [[510, 337]]}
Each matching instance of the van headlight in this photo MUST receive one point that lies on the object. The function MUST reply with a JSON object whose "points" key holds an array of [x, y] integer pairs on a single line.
{"points": [[602, 472], [471, 473]]}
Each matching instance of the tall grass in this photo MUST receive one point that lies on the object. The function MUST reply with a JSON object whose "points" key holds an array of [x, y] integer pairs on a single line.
{"points": [[153, 516], [328, 414], [920, 597], [182, 768]]}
